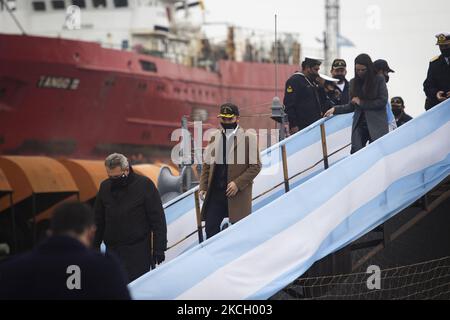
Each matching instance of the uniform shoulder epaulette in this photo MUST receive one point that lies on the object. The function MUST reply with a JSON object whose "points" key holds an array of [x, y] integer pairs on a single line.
{"points": [[434, 59]]}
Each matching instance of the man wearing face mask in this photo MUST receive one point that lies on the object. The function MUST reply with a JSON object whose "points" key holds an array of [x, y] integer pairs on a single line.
{"points": [[231, 164], [339, 71], [382, 68], [437, 83], [304, 104], [130, 218], [398, 108]]}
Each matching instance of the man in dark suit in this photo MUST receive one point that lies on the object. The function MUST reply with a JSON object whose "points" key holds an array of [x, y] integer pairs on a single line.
{"points": [[63, 266], [437, 83]]}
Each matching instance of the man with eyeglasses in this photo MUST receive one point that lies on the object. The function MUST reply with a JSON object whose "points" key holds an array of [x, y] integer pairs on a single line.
{"points": [[130, 218]]}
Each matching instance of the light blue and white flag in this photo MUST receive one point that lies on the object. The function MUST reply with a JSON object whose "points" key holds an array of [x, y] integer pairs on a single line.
{"points": [[264, 252], [304, 152]]}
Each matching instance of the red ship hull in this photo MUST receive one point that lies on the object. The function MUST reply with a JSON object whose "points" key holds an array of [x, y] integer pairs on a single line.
{"points": [[75, 98]]}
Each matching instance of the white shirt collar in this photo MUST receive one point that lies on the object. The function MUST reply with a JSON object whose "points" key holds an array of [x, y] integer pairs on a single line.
{"points": [[232, 133]]}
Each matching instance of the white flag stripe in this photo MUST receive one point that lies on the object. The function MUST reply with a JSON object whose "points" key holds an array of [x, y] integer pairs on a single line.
{"points": [[239, 279]]}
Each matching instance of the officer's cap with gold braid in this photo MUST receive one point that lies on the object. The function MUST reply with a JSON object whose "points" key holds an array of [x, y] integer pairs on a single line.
{"points": [[443, 38], [228, 110]]}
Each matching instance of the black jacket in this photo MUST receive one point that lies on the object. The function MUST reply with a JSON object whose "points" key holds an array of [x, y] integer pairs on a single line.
{"points": [[127, 216], [345, 94], [43, 273], [438, 79], [402, 119], [303, 101]]}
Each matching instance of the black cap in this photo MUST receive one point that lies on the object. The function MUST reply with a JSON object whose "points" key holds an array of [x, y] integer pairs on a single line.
{"points": [[381, 64], [228, 110], [443, 38], [311, 62], [397, 101], [339, 64]]}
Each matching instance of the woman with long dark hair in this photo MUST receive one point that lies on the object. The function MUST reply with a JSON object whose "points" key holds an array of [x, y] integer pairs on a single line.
{"points": [[369, 95]]}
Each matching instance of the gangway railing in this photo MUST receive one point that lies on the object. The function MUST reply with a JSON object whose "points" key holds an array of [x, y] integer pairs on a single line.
{"points": [[296, 159]]}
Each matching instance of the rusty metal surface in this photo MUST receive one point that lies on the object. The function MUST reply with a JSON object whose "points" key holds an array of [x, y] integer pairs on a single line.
{"points": [[4, 184], [47, 214], [88, 175], [28, 175]]}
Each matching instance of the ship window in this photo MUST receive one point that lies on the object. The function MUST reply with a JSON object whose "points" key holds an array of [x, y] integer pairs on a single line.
{"points": [[39, 5], [79, 3], [99, 3], [58, 5], [120, 3], [148, 66]]}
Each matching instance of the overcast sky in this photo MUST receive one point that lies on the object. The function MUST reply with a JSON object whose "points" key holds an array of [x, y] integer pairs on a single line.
{"points": [[400, 31]]}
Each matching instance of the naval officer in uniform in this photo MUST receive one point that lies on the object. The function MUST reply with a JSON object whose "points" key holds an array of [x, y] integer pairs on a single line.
{"points": [[302, 97], [437, 83]]}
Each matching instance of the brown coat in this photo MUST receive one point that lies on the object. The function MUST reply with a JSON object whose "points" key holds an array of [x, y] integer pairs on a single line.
{"points": [[242, 172]]}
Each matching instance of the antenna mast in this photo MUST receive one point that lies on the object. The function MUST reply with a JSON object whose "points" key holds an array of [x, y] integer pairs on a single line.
{"points": [[276, 57], [5, 4], [331, 46]]}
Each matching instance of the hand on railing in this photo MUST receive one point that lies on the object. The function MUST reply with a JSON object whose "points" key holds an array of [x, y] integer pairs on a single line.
{"points": [[293, 130], [158, 257], [329, 112]]}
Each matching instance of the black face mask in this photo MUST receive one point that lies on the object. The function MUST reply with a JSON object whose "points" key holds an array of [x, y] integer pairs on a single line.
{"points": [[229, 126], [120, 182], [397, 111], [313, 77], [340, 77], [386, 78], [446, 52]]}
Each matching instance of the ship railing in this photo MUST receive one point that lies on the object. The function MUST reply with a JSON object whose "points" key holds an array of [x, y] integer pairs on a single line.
{"points": [[291, 174]]}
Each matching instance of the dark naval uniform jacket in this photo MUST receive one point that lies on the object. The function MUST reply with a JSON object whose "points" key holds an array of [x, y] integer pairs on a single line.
{"points": [[402, 119], [438, 79], [303, 101]]}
